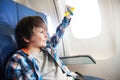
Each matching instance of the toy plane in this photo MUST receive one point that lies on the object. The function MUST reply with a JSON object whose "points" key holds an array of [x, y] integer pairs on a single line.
{"points": [[69, 11]]}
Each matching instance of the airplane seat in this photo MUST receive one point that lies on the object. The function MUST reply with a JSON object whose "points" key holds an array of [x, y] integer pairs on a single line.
{"points": [[7, 46], [8, 20], [10, 13], [23, 11]]}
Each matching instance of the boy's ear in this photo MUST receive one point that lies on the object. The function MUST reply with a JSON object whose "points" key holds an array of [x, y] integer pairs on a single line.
{"points": [[26, 40]]}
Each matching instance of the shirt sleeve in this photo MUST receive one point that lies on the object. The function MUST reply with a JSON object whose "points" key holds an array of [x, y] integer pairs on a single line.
{"points": [[19, 69], [13, 70], [54, 40]]}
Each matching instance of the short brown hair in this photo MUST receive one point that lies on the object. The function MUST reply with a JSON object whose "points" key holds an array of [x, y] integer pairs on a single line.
{"points": [[24, 29]]}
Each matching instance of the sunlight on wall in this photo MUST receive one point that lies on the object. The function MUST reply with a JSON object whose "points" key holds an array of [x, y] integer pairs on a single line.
{"points": [[50, 26], [86, 21]]}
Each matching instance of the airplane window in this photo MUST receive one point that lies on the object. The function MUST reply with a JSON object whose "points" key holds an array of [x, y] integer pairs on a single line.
{"points": [[86, 22]]}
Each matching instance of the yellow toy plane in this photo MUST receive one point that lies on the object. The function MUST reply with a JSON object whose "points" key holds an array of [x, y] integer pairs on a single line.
{"points": [[69, 11]]}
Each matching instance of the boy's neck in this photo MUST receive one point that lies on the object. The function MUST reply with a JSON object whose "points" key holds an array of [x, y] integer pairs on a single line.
{"points": [[33, 50]]}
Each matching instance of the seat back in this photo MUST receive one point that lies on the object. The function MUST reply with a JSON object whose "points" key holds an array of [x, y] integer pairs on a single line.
{"points": [[10, 13], [7, 46]]}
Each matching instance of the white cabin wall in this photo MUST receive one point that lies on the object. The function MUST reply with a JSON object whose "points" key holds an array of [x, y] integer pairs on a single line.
{"points": [[107, 69]]}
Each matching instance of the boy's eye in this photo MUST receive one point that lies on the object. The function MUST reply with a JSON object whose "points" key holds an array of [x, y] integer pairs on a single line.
{"points": [[41, 32]]}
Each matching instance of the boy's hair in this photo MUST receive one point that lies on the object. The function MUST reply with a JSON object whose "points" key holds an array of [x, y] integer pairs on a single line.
{"points": [[24, 29]]}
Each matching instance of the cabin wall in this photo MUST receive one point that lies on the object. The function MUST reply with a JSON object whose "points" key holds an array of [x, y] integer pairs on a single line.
{"points": [[100, 47], [107, 69]]}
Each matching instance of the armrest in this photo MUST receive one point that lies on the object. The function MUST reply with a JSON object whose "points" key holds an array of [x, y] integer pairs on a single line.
{"points": [[79, 59]]}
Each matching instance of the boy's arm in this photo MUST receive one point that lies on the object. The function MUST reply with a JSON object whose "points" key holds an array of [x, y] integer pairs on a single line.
{"points": [[54, 40], [18, 69], [13, 71]]}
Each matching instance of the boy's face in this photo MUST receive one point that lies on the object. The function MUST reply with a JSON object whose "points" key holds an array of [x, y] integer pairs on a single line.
{"points": [[39, 37]]}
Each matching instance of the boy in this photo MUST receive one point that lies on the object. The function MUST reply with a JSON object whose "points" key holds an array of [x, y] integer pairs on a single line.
{"points": [[36, 58]]}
